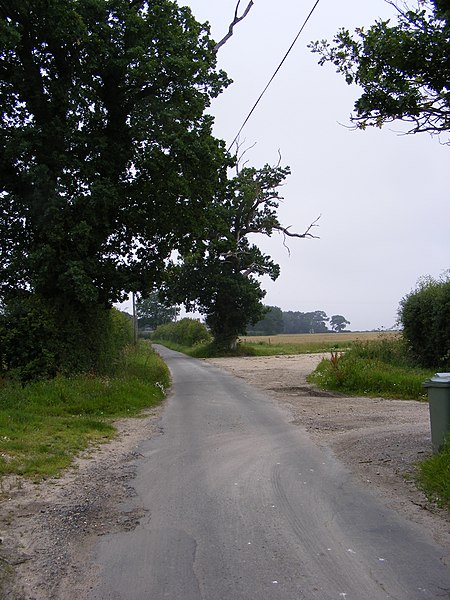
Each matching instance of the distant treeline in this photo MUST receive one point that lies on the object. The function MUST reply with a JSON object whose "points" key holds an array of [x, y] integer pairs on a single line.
{"points": [[278, 321]]}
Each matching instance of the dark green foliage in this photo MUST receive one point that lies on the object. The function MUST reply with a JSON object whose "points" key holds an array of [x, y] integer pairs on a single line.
{"points": [[403, 69], [40, 339], [107, 159], [276, 321], [425, 317], [186, 332]]}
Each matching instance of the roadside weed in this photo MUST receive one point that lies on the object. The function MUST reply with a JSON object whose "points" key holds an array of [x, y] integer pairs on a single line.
{"points": [[433, 477]]}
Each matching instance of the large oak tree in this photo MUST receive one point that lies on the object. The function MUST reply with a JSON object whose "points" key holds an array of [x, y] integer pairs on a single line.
{"points": [[221, 279], [107, 160], [106, 155]]}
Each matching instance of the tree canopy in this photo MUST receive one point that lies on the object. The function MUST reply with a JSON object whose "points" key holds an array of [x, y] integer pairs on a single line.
{"points": [[403, 68], [106, 156]]}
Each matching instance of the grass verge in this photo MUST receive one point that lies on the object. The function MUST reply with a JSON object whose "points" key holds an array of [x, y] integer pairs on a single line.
{"points": [[433, 477], [373, 368], [44, 424], [362, 377]]}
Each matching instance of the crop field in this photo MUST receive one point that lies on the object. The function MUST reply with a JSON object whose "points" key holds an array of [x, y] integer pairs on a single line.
{"points": [[320, 338]]}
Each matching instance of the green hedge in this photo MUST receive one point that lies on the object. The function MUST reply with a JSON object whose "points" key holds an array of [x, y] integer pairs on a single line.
{"points": [[425, 316], [41, 339]]}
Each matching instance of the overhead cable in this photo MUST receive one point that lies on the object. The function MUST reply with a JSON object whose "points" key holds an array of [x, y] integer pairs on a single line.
{"points": [[274, 75]]}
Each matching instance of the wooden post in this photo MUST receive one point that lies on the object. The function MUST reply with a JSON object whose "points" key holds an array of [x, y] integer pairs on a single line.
{"points": [[135, 321]]}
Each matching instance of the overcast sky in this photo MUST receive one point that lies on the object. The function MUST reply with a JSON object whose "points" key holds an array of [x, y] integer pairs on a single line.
{"points": [[383, 197]]}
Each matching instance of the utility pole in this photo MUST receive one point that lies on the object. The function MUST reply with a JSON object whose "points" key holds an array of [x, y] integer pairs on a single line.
{"points": [[135, 321]]}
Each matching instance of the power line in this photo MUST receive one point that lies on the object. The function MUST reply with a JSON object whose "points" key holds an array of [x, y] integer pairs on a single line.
{"points": [[274, 75]]}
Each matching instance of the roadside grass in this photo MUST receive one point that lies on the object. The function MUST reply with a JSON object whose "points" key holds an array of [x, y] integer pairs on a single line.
{"points": [[433, 477], [44, 424], [364, 377]]}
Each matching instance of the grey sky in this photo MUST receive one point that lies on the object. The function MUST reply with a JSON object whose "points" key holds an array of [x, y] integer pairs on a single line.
{"points": [[383, 196]]}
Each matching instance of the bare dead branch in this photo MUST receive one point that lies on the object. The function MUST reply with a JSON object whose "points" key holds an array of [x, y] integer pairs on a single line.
{"points": [[306, 234], [249, 271], [239, 157], [235, 21], [279, 158]]}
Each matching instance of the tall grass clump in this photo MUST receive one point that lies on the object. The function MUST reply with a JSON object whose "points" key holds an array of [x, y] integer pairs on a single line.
{"points": [[433, 476], [373, 368]]}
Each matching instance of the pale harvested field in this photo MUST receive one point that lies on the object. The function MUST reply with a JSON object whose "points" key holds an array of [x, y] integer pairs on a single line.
{"points": [[308, 338]]}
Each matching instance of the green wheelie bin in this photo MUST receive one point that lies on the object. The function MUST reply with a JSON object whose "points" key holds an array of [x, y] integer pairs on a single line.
{"points": [[438, 388]]}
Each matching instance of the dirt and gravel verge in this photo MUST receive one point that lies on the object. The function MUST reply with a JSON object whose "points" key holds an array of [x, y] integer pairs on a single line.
{"points": [[48, 529]]}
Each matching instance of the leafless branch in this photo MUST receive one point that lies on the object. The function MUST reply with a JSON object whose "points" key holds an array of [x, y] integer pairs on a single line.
{"points": [[235, 21], [306, 234], [279, 158], [249, 270], [239, 158]]}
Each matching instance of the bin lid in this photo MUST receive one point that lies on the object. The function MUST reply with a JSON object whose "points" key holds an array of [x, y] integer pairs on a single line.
{"points": [[438, 380]]}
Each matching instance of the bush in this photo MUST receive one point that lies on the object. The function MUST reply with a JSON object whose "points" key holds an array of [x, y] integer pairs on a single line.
{"points": [[425, 316], [186, 332], [40, 339]]}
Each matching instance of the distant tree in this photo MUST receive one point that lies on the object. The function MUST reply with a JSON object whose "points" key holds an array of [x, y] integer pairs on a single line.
{"points": [[296, 322], [153, 311], [310, 322], [318, 322], [271, 324], [403, 69], [220, 279], [338, 323]]}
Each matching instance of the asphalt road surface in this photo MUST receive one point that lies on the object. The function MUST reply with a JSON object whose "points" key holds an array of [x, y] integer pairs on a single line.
{"points": [[243, 505]]}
